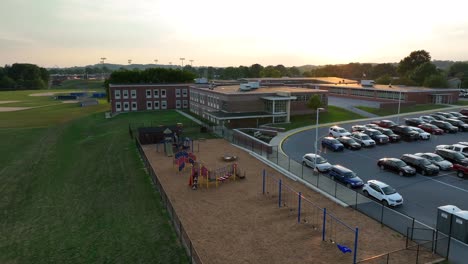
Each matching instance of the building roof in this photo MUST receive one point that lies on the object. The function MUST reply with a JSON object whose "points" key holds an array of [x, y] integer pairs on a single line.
{"points": [[220, 115], [301, 79], [393, 88], [235, 89], [149, 85]]}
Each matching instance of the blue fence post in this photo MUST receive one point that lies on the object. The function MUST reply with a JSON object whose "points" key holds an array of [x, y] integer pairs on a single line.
{"points": [[299, 207], [324, 221], [279, 193], [263, 187], [355, 244]]}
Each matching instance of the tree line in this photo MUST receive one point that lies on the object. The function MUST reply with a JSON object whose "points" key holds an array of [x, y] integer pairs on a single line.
{"points": [[21, 76]]}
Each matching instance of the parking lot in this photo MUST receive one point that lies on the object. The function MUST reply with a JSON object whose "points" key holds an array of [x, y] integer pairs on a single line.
{"points": [[422, 194]]}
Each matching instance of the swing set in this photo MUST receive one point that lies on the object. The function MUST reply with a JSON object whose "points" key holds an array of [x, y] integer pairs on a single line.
{"points": [[201, 176]]}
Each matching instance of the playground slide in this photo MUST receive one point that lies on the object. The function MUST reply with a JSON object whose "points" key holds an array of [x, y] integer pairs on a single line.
{"points": [[168, 149]]}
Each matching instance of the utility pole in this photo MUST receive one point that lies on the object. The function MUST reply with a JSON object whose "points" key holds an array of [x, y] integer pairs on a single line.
{"points": [[102, 63], [182, 61]]}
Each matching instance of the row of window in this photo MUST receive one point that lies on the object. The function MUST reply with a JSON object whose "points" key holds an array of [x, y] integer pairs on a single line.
{"points": [[125, 94], [150, 105], [126, 106], [394, 95], [213, 101], [155, 93]]}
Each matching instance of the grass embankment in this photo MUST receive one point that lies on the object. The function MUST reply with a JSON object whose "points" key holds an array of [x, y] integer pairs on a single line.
{"points": [[334, 114], [76, 191], [405, 109]]}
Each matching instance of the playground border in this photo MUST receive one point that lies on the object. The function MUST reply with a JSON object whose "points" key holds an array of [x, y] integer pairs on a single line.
{"points": [[184, 238]]}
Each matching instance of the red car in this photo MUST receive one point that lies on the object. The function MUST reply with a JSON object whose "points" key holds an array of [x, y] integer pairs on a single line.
{"points": [[384, 123], [430, 128]]}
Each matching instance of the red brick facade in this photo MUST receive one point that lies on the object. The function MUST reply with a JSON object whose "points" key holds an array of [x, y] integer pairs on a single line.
{"points": [[148, 97]]}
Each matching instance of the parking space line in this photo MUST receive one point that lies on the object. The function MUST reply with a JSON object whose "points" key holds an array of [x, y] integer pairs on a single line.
{"points": [[450, 185]]}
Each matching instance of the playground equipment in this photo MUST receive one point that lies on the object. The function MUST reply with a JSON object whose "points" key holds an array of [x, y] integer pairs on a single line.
{"points": [[201, 176]]}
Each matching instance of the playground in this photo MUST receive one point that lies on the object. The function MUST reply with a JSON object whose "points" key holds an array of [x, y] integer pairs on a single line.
{"points": [[234, 221]]}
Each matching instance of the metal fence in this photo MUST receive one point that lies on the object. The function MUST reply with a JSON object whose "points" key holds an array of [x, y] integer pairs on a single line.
{"points": [[333, 229], [184, 238]]}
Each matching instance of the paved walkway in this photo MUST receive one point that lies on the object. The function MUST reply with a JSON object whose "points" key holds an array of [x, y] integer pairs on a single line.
{"points": [[350, 104]]}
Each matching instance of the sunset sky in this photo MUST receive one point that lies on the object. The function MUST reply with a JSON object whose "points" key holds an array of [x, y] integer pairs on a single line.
{"points": [[229, 33]]}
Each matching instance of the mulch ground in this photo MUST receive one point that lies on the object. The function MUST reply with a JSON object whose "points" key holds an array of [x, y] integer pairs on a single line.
{"points": [[236, 223]]}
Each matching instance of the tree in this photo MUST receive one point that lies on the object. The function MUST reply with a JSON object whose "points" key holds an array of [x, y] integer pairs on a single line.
{"points": [[411, 62], [420, 73], [384, 79], [255, 70], [383, 69], [315, 102], [436, 80]]}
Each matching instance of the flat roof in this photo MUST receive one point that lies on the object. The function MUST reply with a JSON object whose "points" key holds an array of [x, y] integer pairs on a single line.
{"points": [[241, 115], [235, 89], [393, 88], [279, 98], [309, 79], [149, 85]]}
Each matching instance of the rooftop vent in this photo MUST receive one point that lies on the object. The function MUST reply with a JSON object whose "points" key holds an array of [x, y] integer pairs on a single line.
{"points": [[249, 86]]}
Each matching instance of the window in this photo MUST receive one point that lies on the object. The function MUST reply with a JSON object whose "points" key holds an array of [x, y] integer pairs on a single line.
{"points": [[185, 104], [156, 105], [163, 93], [134, 106], [126, 106], [125, 94], [156, 93], [184, 92], [177, 104], [149, 105], [177, 92], [117, 94], [163, 104], [118, 107], [148, 93], [133, 93]]}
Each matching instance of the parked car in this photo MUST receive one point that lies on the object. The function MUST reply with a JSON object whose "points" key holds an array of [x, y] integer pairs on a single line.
{"points": [[390, 134], [427, 118], [377, 136], [336, 131], [464, 111], [413, 121], [436, 160], [430, 128], [438, 117], [422, 165], [370, 125], [322, 164], [382, 192], [406, 132], [452, 156], [363, 139], [346, 176], [349, 143], [447, 127], [358, 128], [457, 115], [461, 170], [463, 149], [332, 144], [396, 165], [422, 134], [458, 123], [385, 123], [444, 114]]}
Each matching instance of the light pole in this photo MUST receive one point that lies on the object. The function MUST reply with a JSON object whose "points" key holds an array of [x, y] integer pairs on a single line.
{"points": [[129, 62], [182, 61], [191, 63], [316, 137], [156, 61], [399, 103]]}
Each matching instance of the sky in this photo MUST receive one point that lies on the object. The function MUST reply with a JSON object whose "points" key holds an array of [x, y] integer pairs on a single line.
{"points": [[65, 33]]}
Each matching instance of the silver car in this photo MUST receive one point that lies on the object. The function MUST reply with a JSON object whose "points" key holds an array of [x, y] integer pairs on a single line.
{"points": [[322, 163], [436, 160]]}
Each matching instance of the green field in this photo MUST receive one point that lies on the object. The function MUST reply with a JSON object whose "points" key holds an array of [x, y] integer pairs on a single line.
{"points": [[81, 84], [73, 189], [406, 109]]}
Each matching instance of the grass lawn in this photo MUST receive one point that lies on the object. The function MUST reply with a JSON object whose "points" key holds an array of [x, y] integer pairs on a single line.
{"points": [[461, 102], [81, 84], [74, 190], [406, 109], [334, 114]]}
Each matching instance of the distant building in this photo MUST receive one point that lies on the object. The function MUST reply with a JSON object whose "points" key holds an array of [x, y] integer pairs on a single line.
{"points": [[148, 97], [234, 107]]}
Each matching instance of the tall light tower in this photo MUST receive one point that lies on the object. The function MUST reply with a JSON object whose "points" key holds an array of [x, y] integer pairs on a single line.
{"points": [[182, 61], [156, 61], [191, 63], [102, 64], [170, 64], [129, 61]]}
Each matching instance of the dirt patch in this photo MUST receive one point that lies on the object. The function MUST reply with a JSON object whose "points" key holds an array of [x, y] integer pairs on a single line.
{"points": [[12, 109], [70, 102], [236, 223], [7, 102]]}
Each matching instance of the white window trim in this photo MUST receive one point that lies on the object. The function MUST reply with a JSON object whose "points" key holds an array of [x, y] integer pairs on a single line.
{"points": [[184, 92], [158, 105], [165, 93], [163, 104], [136, 106], [178, 104], [118, 107], [178, 92], [117, 94], [149, 105], [148, 93], [156, 93], [127, 108], [133, 94], [125, 94]]}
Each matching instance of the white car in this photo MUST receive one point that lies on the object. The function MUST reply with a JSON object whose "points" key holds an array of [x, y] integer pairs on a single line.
{"points": [[427, 118], [382, 192], [363, 139], [336, 131], [422, 134], [322, 164]]}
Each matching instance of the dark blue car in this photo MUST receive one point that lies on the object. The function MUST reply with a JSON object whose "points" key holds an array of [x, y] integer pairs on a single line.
{"points": [[332, 143], [346, 176]]}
